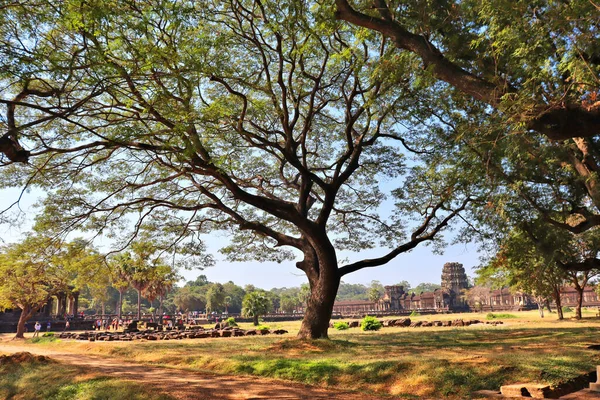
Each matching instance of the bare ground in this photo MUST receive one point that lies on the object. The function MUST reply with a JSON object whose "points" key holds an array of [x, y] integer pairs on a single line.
{"points": [[187, 385]]}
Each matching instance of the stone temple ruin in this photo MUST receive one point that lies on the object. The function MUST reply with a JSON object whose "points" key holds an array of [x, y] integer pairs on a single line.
{"points": [[448, 298]]}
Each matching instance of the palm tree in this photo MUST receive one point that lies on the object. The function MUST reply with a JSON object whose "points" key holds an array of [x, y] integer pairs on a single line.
{"points": [[161, 281], [255, 304], [120, 267]]}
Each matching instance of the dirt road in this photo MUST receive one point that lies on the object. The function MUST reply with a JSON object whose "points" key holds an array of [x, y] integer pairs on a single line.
{"points": [[187, 385]]}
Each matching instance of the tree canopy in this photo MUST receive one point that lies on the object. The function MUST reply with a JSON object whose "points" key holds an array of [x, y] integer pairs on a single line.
{"points": [[514, 86], [537, 63], [37, 268]]}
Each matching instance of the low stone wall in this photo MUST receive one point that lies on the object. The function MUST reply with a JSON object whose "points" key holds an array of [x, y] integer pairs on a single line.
{"points": [[406, 322]]}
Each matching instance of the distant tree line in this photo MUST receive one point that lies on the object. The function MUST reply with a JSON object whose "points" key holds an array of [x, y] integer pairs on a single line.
{"points": [[138, 281]]}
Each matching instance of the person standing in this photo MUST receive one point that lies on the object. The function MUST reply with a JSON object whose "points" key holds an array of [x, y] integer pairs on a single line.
{"points": [[37, 328], [48, 326]]}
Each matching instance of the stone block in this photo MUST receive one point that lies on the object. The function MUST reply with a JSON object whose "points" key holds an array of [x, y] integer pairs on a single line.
{"points": [[533, 390]]}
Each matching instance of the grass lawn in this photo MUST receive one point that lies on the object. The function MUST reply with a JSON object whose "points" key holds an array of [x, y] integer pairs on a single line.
{"points": [[406, 362]]}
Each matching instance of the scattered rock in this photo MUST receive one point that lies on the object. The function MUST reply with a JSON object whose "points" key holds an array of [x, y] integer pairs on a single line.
{"points": [[152, 335]]}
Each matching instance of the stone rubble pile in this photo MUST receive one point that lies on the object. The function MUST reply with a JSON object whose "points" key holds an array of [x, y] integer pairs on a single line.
{"points": [[191, 333], [406, 322]]}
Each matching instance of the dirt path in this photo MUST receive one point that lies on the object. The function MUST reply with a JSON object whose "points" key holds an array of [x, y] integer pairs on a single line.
{"points": [[187, 385]]}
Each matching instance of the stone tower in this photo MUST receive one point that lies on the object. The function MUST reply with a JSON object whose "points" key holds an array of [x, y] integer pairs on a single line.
{"points": [[454, 280], [392, 296]]}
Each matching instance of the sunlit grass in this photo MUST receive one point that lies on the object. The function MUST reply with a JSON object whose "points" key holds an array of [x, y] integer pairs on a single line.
{"points": [[407, 362]]}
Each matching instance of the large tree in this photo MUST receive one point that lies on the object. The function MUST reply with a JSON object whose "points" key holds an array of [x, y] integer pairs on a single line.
{"points": [[188, 299], [517, 84], [37, 268], [534, 258], [537, 62], [267, 119]]}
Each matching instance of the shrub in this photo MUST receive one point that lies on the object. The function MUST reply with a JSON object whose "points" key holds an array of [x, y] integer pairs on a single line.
{"points": [[341, 326], [231, 321], [567, 309], [48, 334], [496, 316], [370, 324], [414, 314], [262, 328]]}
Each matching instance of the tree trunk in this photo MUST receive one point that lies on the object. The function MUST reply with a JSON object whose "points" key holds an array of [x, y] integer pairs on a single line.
{"points": [[547, 302], [160, 305], [26, 313], [139, 313], [558, 302], [255, 320], [103, 310], [579, 303], [320, 266], [120, 309]]}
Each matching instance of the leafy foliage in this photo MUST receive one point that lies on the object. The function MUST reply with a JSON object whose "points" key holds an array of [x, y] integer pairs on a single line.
{"points": [[341, 325], [255, 304], [369, 323]]}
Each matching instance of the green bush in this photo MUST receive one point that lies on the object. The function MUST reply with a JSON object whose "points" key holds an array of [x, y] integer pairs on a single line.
{"points": [[567, 309], [370, 324], [490, 316], [231, 321], [414, 314], [341, 326], [48, 334], [262, 328]]}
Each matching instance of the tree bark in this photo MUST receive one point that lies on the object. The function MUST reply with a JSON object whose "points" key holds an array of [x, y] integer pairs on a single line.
{"points": [[557, 301], [26, 313], [320, 266], [579, 302], [255, 320], [139, 308]]}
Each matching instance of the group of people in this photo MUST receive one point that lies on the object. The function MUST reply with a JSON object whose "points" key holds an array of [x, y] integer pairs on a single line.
{"points": [[108, 324], [37, 327]]}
